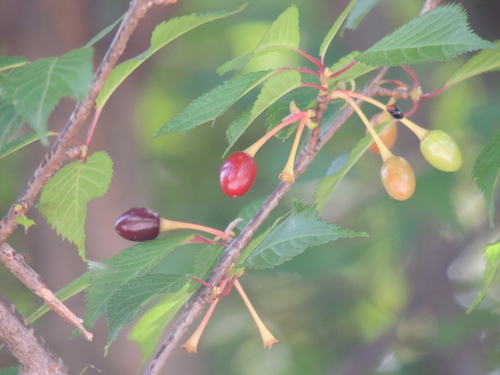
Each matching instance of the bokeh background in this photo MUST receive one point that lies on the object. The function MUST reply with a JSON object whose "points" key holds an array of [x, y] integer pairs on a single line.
{"points": [[391, 303]]}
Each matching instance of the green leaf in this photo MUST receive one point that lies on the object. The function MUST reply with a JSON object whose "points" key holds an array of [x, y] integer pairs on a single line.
{"points": [[146, 333], [126, 302], [247, 212], [20, 142], [214, 103], [302, 229], [9, 62], [486, 170], [102, 34], [339, 168], [283, 34], [492, 256], [439, 34], [25, 222], [485, 61], [163, 34], [206, 260], [37, 87], [274, 88], [10, 122], [333, 31], [106, 277], [64, 199], [13, 370], [359, 11]]}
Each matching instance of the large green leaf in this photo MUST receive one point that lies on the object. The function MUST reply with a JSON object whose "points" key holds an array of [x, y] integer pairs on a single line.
{"points": [[9, 62], [339, 168], [106, 277], [10, 121], [352, 73], [486, 170], [20, 142], [302, 229], [37, 87], [492, 257], [283, 34], [130, 297], [439, 34], [206, 260], [146, 333], [214, 103], [485, 61], [333, 31], [163, 34], [64, 199], [359, 11], [273, 89]]}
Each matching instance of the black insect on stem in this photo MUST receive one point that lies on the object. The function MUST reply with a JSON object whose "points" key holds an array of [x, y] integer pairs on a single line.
{"points": [[395, 112]]}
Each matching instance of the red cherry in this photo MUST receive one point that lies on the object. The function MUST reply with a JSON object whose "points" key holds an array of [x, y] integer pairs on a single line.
{"points": [[138, 224], [237, 174]]}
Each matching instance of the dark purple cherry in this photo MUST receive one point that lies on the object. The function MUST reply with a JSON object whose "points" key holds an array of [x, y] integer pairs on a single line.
{"points": [[138, 224]]}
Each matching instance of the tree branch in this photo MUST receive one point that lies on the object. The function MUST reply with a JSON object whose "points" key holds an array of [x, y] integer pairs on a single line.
{"points": [[32, 352]]}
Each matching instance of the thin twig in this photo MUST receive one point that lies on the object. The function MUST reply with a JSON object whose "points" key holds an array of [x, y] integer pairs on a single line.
{"points": [[33, 354]]}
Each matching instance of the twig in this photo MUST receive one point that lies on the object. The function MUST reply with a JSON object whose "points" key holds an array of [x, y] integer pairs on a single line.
{"points": [[16, 264], [33, 354], [233, 251]]}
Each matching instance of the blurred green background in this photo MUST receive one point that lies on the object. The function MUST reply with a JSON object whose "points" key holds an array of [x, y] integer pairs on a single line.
{"points": [[391, 303]]}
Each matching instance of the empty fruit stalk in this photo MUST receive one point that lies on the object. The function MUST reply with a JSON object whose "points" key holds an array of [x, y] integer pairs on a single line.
{"points": [[267, 337], [288, 174]]}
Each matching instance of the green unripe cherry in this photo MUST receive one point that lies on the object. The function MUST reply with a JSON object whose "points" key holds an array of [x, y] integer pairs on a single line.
{"points": [[441, 151]]}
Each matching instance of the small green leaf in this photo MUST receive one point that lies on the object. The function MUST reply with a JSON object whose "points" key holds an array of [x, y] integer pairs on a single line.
{"points": [[492, 256], [37, 87], [302, 229], [339, 168], [25, 222], [274, 88], [485, 61], [486, 170], [333, 31], [146, 333], [126, 302], [283, 34], [214, 103], [163, 34], [13, 370], [10, 121], [106, 277], [64, 199], [359, 11], [9, 62], [439, 34], [20, 142]]}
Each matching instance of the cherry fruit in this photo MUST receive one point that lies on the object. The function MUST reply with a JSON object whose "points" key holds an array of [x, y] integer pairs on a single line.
{"points": [[237, 174], [441, 151], [388, 136], [398, 178], [138, 224]]}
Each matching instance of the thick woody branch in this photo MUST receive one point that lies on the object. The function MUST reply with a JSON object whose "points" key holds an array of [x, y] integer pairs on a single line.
{"points": [[33, 354]]}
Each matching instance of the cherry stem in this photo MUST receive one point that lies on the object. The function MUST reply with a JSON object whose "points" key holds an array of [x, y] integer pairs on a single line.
{"points": [[252, 150], [344, 69], [171, 225], [411, 73], [288, 174], [191, 344], [301, 70], [433, 93], [267, 337], [310, 58], [384, 151]]}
